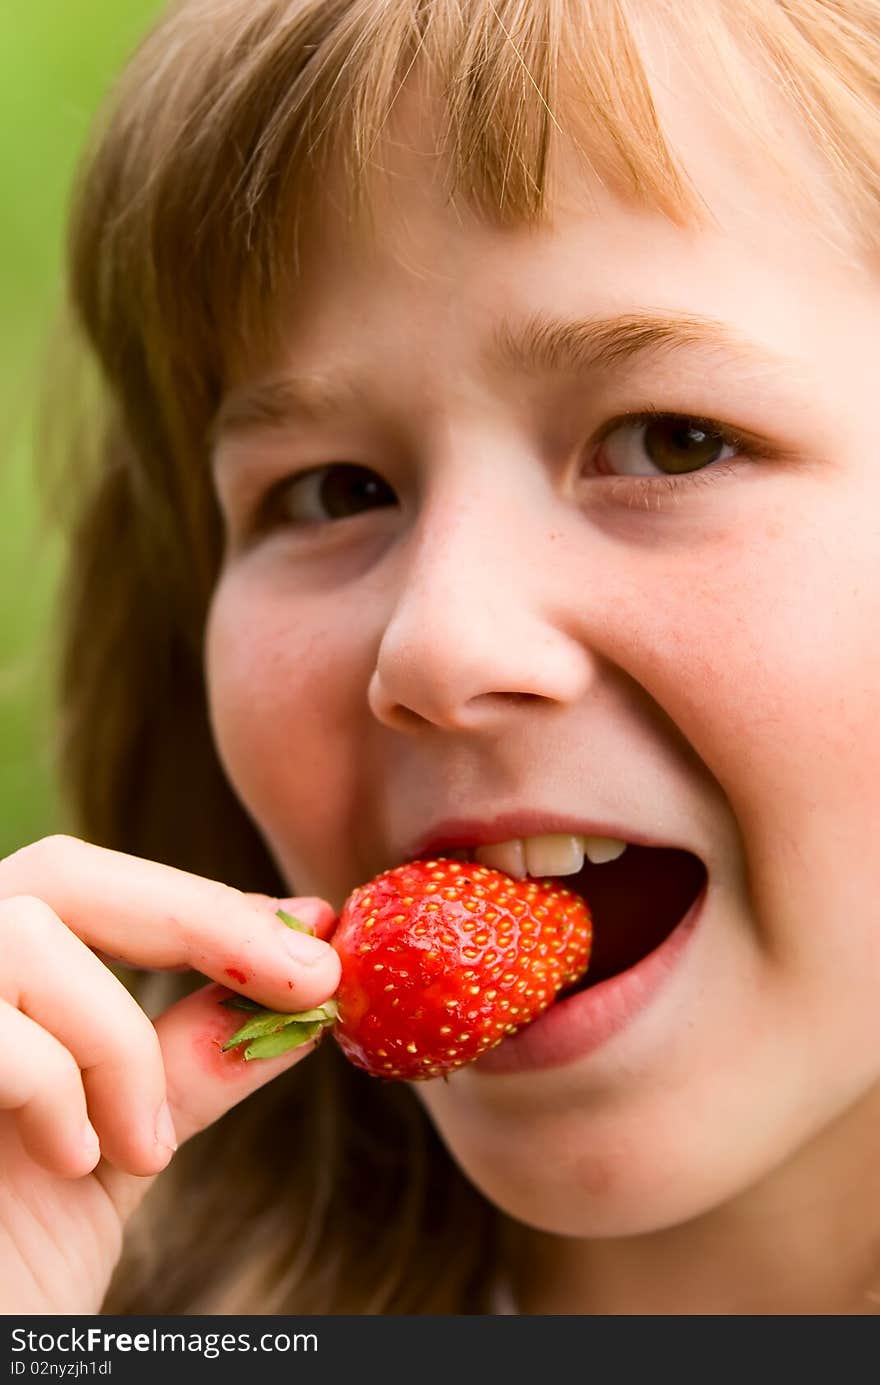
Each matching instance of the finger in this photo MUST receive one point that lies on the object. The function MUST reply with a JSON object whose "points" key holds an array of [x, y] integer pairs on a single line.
{"points": [[153, 915], [203, 1081], [53, 979], [315, 914], [42, 1090]]}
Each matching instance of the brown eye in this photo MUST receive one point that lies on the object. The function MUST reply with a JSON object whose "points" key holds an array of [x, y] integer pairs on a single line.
{"points": [[667, 445], [337, 491], [680, 445]]}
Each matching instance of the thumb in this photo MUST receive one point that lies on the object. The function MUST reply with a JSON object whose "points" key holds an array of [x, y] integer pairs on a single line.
{"points": [[203, 1082]]}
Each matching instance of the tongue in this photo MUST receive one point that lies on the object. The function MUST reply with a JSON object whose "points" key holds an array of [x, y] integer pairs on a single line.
{"points": [[635, 903]]}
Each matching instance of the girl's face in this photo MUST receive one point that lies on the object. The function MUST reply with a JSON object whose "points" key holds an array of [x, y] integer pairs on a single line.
{"points": [[460, 586]]}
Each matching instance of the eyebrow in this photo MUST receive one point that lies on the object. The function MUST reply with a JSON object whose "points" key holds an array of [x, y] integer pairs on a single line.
{"points": [[279, 401], [539, 344], [552, 344]]}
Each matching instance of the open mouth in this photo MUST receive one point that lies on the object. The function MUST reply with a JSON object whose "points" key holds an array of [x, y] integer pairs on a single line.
{"points": [[635, 903]]}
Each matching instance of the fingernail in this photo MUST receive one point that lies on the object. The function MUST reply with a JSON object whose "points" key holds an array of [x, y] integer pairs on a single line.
{"points": [[309, 909], [303, 948], [165, 1133]]}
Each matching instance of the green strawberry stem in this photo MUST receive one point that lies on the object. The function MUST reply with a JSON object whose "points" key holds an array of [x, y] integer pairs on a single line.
{"points": [[293, 923], [269, 1033]]}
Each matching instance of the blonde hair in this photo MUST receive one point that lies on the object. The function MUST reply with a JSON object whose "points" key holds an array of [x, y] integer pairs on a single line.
{"points": [[329, 1192]]}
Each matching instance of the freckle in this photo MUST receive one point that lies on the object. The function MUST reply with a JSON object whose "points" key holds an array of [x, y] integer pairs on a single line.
{"points": [[596, 1177]]}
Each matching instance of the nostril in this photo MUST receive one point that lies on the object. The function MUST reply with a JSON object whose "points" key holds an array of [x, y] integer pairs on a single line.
{"points": [[404, 718], [524, 697]]}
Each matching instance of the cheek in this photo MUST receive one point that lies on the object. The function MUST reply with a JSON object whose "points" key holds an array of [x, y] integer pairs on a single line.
{"points": [[762, 647], [767, 661], [257, 675], [278, 694]]}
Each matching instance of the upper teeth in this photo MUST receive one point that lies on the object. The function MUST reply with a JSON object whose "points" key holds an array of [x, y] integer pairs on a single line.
{"points": [[554, 853]]}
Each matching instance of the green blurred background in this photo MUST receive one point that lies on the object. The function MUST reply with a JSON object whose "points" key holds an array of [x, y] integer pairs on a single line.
{"points": [[58, 58]]}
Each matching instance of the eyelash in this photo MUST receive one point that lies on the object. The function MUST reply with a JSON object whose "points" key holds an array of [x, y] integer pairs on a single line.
{"points": [[652, 492], [635, 491]]}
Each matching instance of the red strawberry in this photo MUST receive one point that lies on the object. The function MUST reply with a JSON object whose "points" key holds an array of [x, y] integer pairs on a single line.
{"points": [[441, 959]]}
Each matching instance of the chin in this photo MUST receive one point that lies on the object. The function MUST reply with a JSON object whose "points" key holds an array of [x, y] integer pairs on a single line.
{"points": [[592, 1186], [576, 1208]]}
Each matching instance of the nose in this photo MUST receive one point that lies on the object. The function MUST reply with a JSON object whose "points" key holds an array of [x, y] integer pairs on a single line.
{"points": [[479, 620]]}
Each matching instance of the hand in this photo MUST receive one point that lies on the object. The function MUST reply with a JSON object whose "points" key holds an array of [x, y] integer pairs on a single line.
{"points": [[93, 1094]]}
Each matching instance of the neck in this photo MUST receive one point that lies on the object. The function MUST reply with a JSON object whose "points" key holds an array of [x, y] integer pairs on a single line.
{"points": [[806, 1240]]}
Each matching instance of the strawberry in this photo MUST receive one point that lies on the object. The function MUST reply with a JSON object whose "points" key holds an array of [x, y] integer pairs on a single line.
{"points": [[440, 959]]}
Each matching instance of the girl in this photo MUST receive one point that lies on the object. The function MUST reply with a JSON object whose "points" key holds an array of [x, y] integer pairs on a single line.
{"points": [[485, 460]]}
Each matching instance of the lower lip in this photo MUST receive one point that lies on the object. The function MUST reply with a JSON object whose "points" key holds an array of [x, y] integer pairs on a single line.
{"points": [[575, 1027]]}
